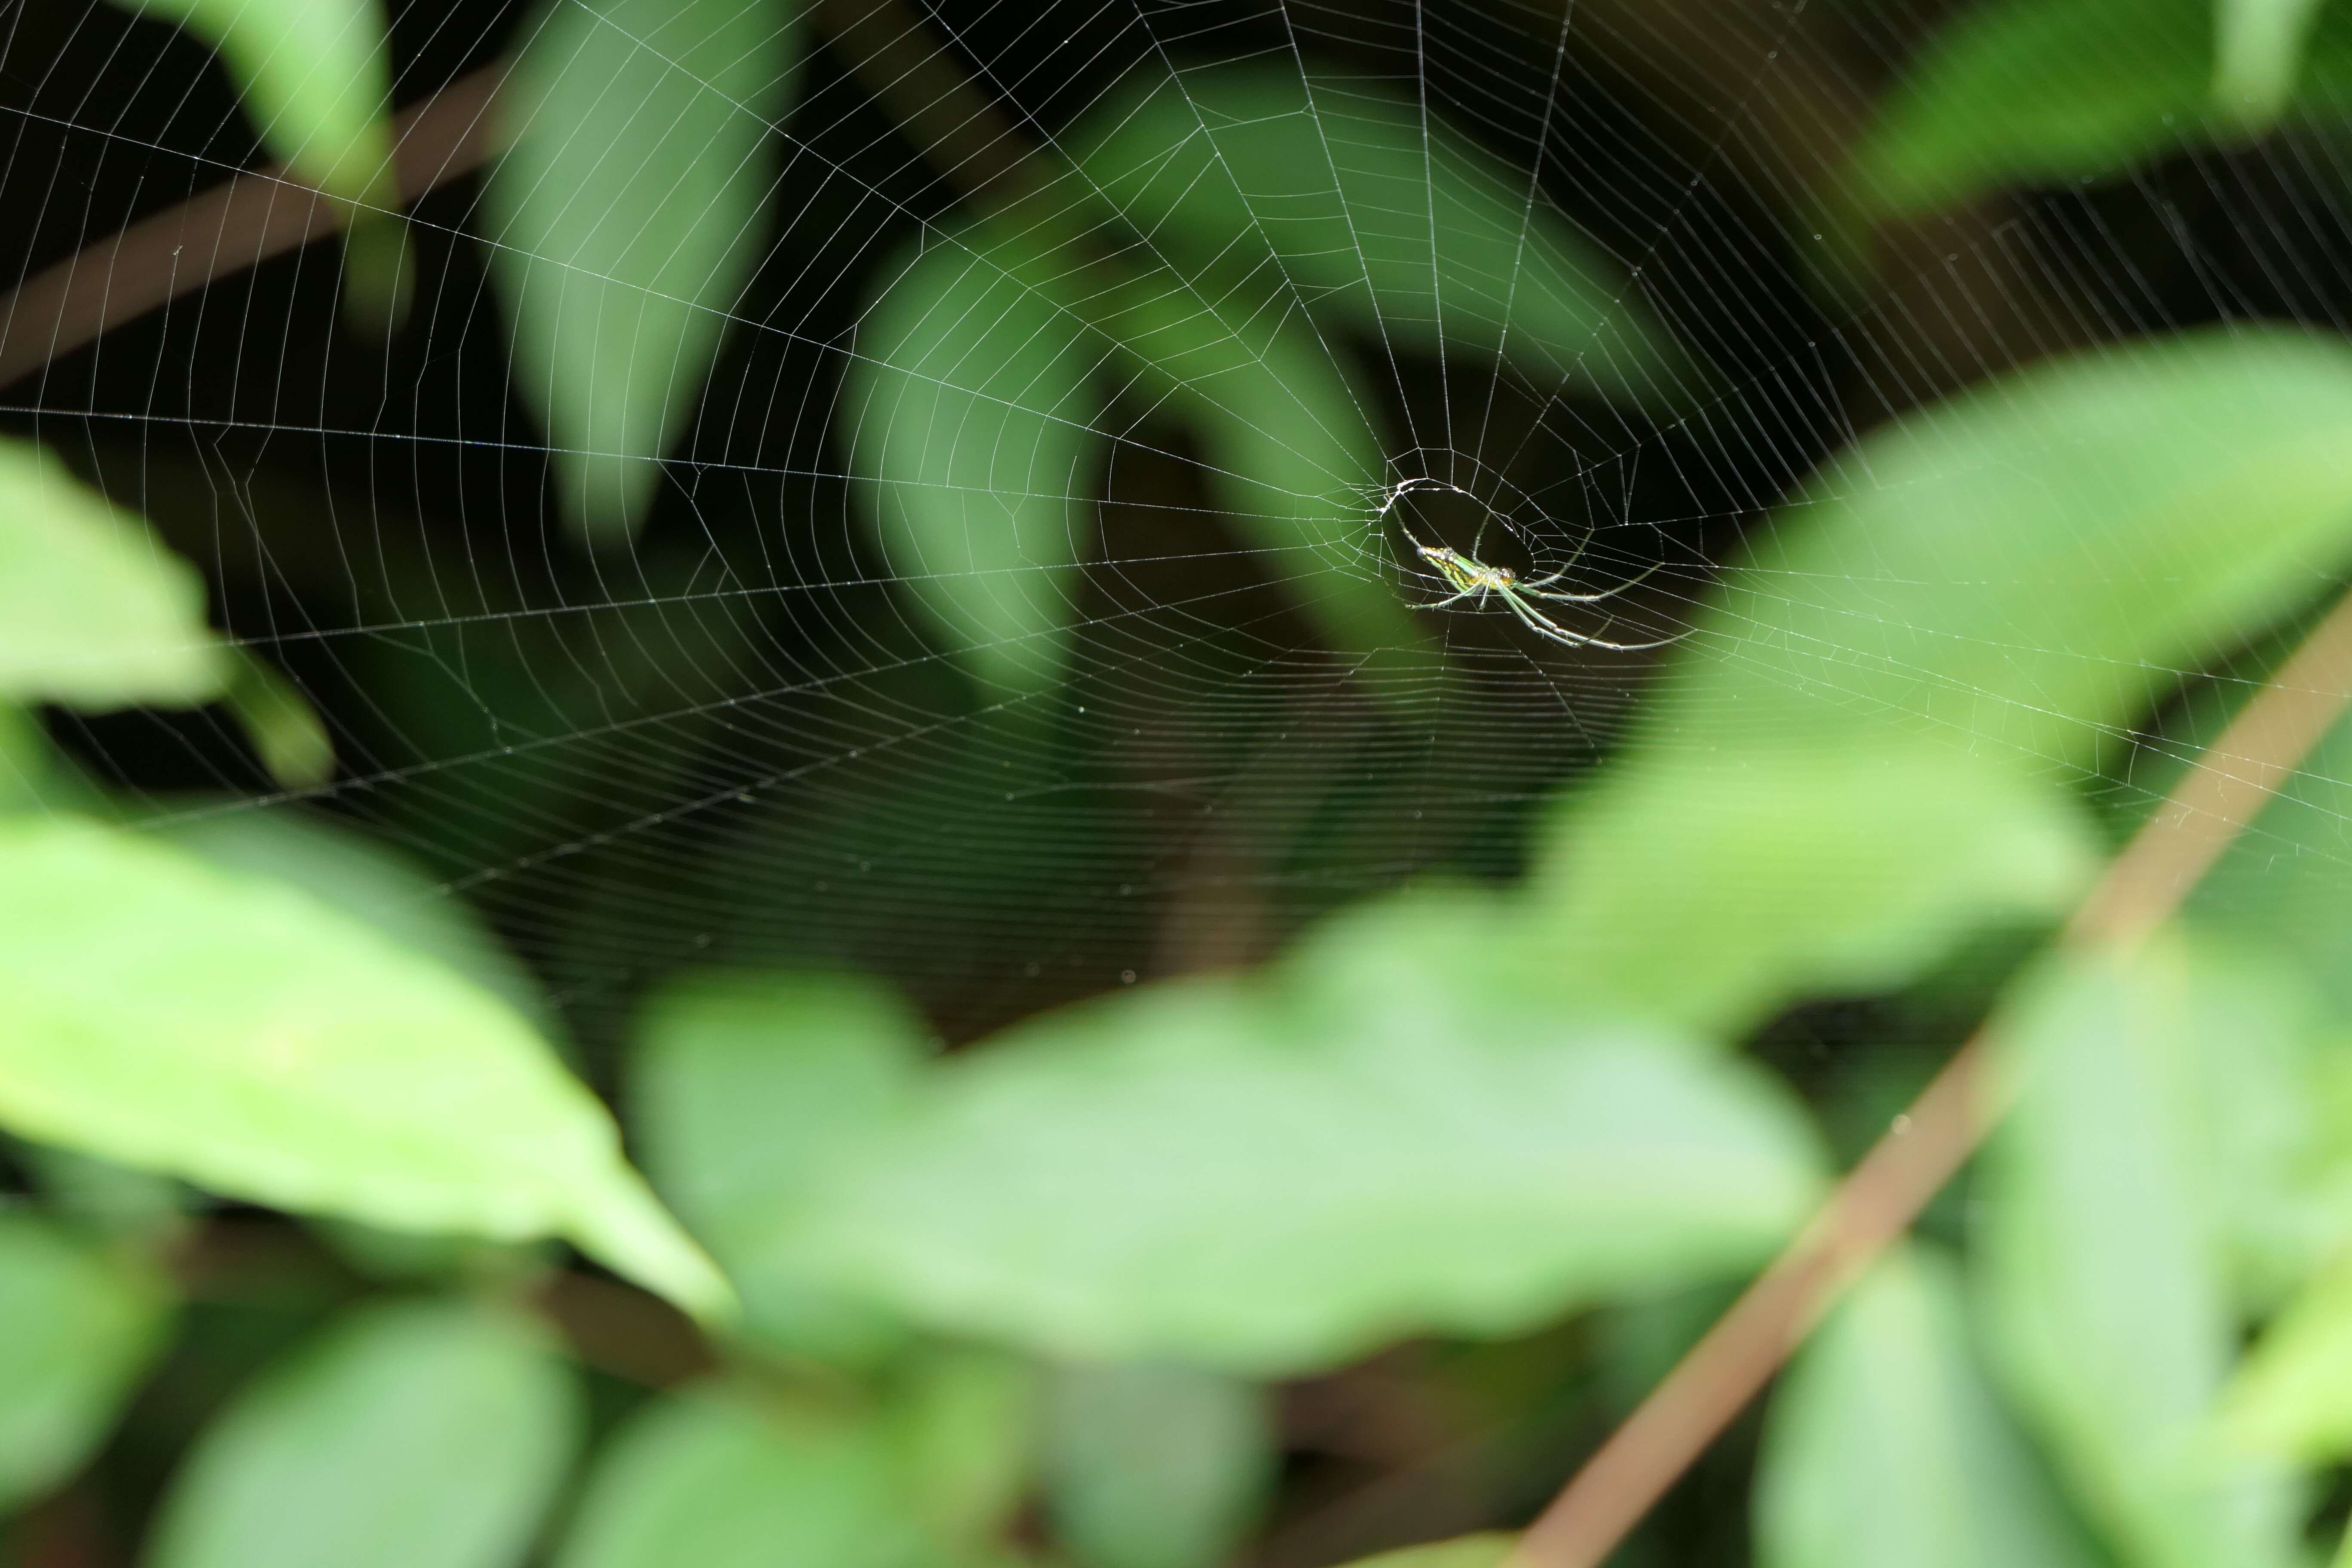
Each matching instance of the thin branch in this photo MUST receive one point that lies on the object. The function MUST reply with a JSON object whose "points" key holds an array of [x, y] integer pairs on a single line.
{"points": [[227, 229], [2211, 805]]}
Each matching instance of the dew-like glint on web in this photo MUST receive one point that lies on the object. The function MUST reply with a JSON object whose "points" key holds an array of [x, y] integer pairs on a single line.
{"points": [[751, 731]]}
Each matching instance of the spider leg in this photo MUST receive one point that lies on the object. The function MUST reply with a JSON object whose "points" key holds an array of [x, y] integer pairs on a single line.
{"points": [[1451, 599], [1543, 625], [1536, 588]]}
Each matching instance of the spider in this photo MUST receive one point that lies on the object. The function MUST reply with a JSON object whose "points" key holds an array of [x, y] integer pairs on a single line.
{"points": [[1473, 579]]}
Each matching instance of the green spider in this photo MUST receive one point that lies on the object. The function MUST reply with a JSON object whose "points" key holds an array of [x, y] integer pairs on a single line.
{"points": [[1473, 579]]}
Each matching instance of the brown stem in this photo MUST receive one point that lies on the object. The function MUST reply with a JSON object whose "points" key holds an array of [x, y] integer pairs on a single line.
{"points": [[230, 228], [1879, 1199]]}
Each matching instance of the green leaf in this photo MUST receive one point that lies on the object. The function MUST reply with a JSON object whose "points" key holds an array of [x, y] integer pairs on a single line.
{"points": [[1373, 213], [78, 1327], [973, 424], [746, 1085], [2107, 1280], [93, 611], [1958, 571], [2258, 55], [238, 1033], [1886, 1444], [2056, 92], [1265, 1180], [1157, 1467], [1709, 889], [2291, 1398], [286, 731], [317, 79], [713, 1479], [626, 219], [421, 1432], [968, 1424], [362, 877]]}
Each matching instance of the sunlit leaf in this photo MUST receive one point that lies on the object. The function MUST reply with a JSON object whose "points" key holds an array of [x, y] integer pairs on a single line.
{"points": [[711, 1477], [2108, 1287], [317, 79], [78, 1326], [1157, 1467], [2059, 92], [745, 1087], [420, 1433], [972, 421], [93, 611], [1375, 215], [1207, 1172], [626, 218], [238, 1033], [1886, 1444]]}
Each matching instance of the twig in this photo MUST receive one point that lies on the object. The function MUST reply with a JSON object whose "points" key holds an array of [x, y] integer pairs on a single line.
{"points": [[2228, 785], [227, 229]]}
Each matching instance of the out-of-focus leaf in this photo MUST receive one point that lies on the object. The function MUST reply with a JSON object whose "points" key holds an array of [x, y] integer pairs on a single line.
{"points": [[1157, 1467], [1957, 571], [25, 760], [159, 1011], [365, 879], [1265, 1182], [421, 1432], [973, 423], [2022, 92], [108, 1197], [1488, 1549], [2292, 1399], [746, 1085], [968, 1424], [78, 1326], [1375, 214], [285, 730], [317, 79], [1711, 889], [2109, 1295], [626, 217], [93, 611], [2259, 54], [1886, 1444], [713, 1479]]}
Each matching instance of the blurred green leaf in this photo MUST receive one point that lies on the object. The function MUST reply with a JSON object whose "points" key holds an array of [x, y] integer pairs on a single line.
{"points": [[2258, 55], [1710, 888], [968, 1423], [364, 878], [1886, 1444], [236, 1032], [425, 1432], [746, 1085], [1265, 1180], [78, 1327], [113, 1199], [2291, 1398], [713, 1479], [1157, 1466], [317, 79], [626, 219], [2108, 1296], [1372, 212], [93, 611], [2052, 93], [973, 421], [286, 731]]}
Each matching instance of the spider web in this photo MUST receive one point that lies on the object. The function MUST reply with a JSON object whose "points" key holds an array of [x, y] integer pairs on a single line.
{"points": [[739, 740]]}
